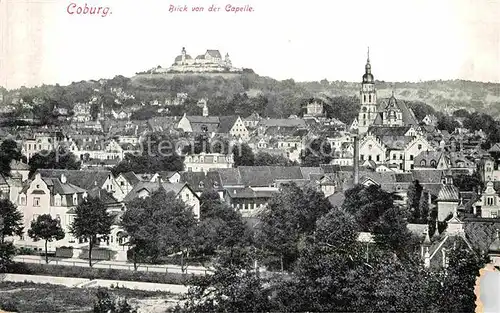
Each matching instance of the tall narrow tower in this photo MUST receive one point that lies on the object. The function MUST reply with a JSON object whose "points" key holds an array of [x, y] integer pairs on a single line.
{"points": [[368, 111]]}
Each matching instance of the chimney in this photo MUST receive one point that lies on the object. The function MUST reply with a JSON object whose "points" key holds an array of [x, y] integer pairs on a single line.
{"points": [[63, 178], [356, 160]]}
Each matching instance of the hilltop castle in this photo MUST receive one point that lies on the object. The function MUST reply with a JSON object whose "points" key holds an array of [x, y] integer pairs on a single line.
{"points": [[210, 62]]}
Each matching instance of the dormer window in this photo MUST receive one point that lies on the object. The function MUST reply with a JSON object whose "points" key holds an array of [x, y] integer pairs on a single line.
{"points": [[201, 185], [216, 185]]}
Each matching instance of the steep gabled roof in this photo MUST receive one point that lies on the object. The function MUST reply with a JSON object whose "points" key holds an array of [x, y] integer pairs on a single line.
{"points": [[131, 177], [86, 179], [151, 187], [214, 53], [226, 123], [201, 181]]}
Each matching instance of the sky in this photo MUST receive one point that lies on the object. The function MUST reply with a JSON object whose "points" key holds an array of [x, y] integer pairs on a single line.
{"points": [[409, 40]]}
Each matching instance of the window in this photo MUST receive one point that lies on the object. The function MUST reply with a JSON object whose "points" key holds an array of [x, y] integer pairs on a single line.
{"points": [[36, 201], [419, 147], [362, 157], [75, 199], [369, 158], [378, 157], [433, 163], [370, 98], [489, 201], [58, 217], [394, 157], [370, 147], [22, 200], [494, 214], [422, 163], [364, 98], [57, 200], [411, 157]]}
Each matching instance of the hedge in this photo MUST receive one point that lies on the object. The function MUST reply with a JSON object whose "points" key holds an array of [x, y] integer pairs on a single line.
{"points": [[101, 273]]}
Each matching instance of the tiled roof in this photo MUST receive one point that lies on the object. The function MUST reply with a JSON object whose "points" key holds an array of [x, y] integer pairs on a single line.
{"points": [[226, 123], [201, 181], [63, 189], [288, 122], [381, 131], [131, 178], [102, 194], [449, 193], [263, 176], [151, 187], [249, 193], [203, 119], [86, 179], [214, 53]]}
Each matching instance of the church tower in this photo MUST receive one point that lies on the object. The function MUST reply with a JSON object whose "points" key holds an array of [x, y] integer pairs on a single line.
{"points": [[368, 95]]}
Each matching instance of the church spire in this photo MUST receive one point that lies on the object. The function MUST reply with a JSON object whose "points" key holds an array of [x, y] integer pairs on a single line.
{"points": [[368, 58]]}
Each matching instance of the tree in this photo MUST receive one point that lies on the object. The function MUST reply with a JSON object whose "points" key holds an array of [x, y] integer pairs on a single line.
{"points": [[232, 288], [367, 204], [468, 182], [267, 159], [160, 225], [158, 155], [392, 234], [7, 251], [201, 144], [11, 220], [92, 222], [46, 228], [220, 227], [318, 151], [8, 151], [290, 214], [243, 155], [107, 304], [455, 293], [413, 199], [423, 208], [61, 158]]}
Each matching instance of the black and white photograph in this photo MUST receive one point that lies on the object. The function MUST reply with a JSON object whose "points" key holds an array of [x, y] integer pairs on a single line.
{"points": [[194, 156]]}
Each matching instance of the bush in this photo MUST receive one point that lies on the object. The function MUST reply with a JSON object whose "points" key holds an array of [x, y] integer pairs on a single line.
{"points": [[26, 251], [99, 273], [98, 254], [64, 252], [9, 305]]}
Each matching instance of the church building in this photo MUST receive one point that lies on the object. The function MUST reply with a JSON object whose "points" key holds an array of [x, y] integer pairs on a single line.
{"points": [[388, 130], [390, 113]]}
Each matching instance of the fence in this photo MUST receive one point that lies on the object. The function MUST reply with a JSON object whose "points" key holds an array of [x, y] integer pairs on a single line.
{"points": [[117, 266]]}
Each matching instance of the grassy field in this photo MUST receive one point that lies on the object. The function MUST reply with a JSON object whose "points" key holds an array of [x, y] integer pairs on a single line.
{"points": [[30, 297]]}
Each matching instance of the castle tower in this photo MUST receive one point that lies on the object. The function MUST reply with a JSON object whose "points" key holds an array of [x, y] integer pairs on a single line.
{"points": [[368, 95], [227, 60], [183, 54]]}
